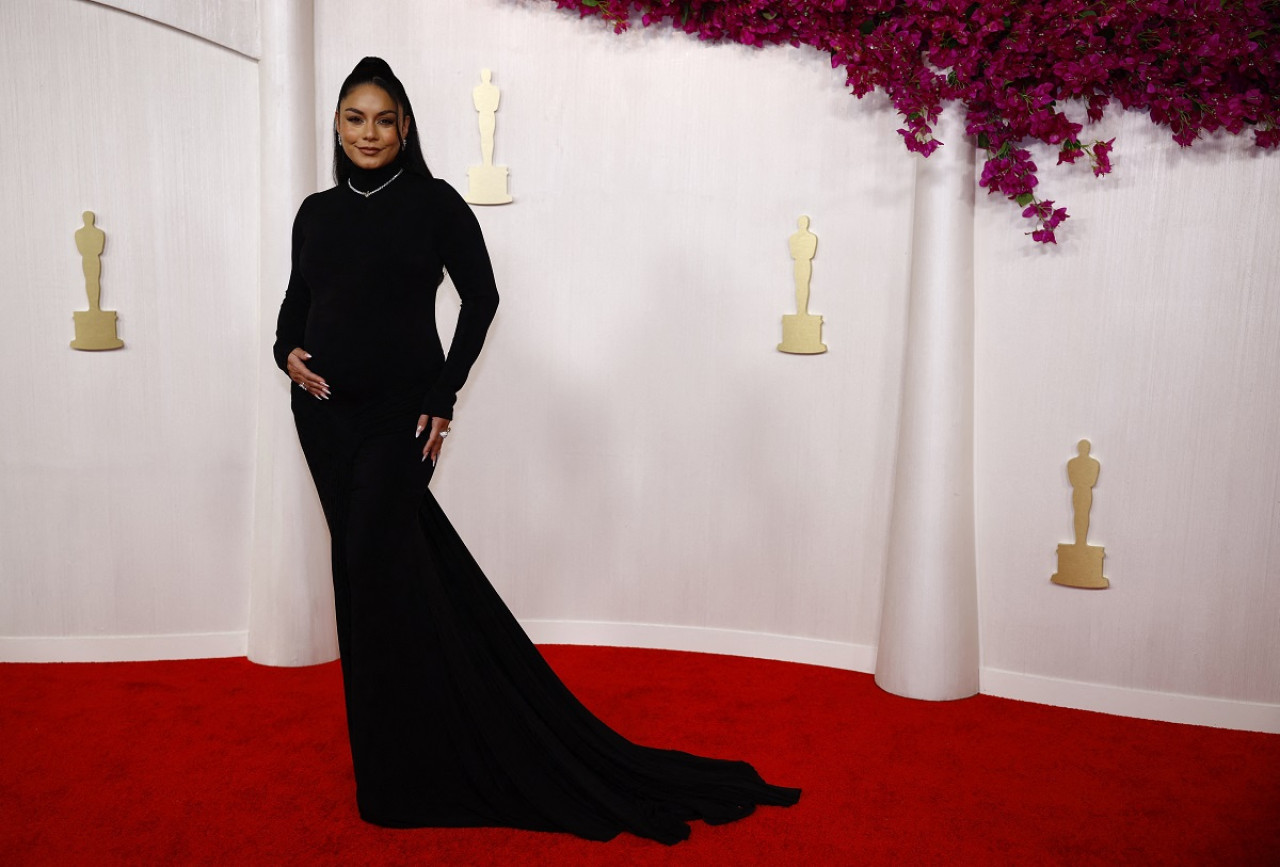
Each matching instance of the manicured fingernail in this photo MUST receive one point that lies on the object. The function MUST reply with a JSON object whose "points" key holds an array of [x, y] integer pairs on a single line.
{"points": [[433, 462], [418, 432]]}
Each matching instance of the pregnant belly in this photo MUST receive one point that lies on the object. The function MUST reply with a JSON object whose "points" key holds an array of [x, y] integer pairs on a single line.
{"points": [[370, 363]]}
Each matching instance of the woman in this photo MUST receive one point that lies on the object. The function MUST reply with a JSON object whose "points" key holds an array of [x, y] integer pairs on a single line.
{"points": [[454, 717]]}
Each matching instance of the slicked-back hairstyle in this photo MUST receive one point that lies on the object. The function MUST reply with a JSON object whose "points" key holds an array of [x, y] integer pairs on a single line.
{"points": [[375, 70]]}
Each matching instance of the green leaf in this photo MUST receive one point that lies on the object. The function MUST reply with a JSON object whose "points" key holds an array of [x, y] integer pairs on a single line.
{"points": [[590, 2], [1024, 199], [768, 16], [983, 141]]}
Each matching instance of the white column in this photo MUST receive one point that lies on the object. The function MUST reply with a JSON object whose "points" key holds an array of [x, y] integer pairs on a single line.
{"points": [[928, 646], [291, 594]]}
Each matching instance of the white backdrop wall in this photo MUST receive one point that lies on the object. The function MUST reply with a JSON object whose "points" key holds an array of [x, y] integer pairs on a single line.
{"points": [[1155, 333], [634, 462], [127, 474], [232, 24]]}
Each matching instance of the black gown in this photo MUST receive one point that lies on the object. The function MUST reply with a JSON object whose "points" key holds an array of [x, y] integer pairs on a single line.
{"points": [[454, 718]]}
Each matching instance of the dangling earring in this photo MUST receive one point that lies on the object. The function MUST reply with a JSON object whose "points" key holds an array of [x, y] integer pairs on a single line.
{"points": [[337, 137], [404, 143]]}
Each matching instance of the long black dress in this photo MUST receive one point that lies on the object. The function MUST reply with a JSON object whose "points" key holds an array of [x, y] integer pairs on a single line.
{"points": [[454, 718]]}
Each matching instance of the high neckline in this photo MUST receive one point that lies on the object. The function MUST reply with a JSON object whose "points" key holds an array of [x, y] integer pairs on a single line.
{"points": [[365, 180]]}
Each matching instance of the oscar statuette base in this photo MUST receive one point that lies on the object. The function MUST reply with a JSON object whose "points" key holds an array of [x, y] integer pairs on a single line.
{"points": [[1081, 566], [487, 185], [95, 330], [802, 334]]}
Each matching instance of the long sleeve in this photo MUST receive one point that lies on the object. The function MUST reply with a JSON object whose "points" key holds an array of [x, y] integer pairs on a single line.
{"points": [[291, 323], [466, 259]]}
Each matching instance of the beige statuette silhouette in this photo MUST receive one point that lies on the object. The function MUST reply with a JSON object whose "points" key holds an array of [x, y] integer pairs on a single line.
{"points": [[802, 330], [487, 183], [1080, 564], [95, 327]]}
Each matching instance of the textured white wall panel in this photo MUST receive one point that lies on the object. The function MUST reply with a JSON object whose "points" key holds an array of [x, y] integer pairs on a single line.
{"points": [[1154, 331], [230, 23], [127, 475]]}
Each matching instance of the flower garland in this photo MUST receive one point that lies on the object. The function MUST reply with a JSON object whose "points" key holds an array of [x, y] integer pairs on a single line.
{"points": [[1195, 66]]}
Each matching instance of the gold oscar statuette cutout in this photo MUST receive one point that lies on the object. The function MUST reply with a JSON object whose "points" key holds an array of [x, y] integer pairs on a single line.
{"points": [[487, 183], [95, 327], [1080, 564], [802, 330]]}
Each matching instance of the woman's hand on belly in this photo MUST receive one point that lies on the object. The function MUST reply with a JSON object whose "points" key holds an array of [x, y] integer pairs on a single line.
{"points": [[303, 377]]}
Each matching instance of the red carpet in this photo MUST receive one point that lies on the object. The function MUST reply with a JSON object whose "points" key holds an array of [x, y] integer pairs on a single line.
{"points": [[225, 762]]}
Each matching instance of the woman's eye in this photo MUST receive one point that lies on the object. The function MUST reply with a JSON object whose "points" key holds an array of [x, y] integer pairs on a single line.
{"points": [[354, 121], [386, 121]]}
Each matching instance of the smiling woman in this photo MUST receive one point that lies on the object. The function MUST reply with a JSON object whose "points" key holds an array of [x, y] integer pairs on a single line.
{"points": [[371, 127], [454, 717]]}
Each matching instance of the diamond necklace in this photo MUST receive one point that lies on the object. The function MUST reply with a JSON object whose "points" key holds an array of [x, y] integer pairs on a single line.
{"points": [[371, 192]]}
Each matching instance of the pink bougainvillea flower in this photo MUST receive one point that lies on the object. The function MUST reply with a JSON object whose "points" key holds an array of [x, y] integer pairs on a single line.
{"points": [[1101, 160]]}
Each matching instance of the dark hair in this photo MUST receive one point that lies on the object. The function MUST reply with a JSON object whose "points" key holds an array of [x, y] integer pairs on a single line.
{"points": [[375, 70]]}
